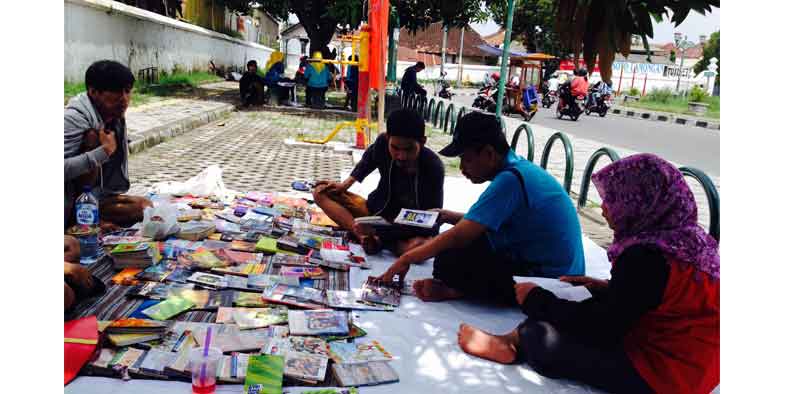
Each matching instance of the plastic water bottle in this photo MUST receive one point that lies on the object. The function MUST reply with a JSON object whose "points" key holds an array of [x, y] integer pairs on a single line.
{"points": [[87, 220]]}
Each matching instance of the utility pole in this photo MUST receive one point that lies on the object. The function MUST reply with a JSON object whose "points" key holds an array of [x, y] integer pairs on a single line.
{"points": [[461, 49], [442, 51], [680, 43], [501, 84]]}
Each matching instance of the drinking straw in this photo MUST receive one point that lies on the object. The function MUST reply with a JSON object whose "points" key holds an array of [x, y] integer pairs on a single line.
{"points": [[205, 351]]}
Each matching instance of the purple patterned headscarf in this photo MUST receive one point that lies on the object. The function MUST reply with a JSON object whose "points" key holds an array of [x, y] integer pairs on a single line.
{"points": [[649, 202]]}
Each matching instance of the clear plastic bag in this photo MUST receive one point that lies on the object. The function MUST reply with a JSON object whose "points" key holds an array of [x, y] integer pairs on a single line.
{"points": [[160, 221], [207, 183]]}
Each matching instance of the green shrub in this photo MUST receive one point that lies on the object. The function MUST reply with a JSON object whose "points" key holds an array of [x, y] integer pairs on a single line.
{"points": [[697, 94], [661, 95], [633, 92]]}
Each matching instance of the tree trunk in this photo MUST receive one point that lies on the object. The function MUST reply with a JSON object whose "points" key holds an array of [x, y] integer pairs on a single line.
{"points": [[319, 27]]}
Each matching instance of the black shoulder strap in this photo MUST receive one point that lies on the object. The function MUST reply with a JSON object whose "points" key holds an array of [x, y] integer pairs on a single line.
{"points": [[519, 177]]}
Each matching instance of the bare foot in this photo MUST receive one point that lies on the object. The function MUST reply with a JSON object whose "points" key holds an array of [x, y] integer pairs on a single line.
{"points": [[432, 290], [478, 343]]}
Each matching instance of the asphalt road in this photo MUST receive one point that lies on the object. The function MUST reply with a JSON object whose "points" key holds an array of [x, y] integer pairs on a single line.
{"points": [[688, 145]]}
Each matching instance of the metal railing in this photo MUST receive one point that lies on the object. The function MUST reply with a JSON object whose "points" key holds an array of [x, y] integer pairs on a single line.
{"points": [[583, 188], [437, 120], [449, 115], [711, 192], [427, 114], [713, 198], [569, 174], [531, 144]]}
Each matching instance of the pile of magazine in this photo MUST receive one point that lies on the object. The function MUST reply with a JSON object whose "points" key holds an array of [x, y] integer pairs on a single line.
{"points": [[260, 264]]}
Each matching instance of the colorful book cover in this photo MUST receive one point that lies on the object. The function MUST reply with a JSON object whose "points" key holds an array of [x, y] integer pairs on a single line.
{"points": [[352, 300], [138, 313], [265, 281], [242, 269], [156, 360], [127, 277], [380, 293], [243, 246], [264, 375], [156, 272], [366, 374], [236, 282], [206, 259], [311, 345], [305, 366], [291, 260], [168, 308], [239, 257], [209, 280], [302, 297], [130, 248], [358, 352], [355, 332], [258, 318], [318, 322], [247, 299], [133, 325], [179, 275], [266, 245], [303, 272]]}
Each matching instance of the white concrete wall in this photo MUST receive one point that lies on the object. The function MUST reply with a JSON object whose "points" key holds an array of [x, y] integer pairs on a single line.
{"points": [[470, 72], [103, 29]]}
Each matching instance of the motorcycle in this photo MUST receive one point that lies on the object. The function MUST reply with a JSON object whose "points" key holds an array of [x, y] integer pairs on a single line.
{"points": [[445, 88], [598, 100], [573, 108], [485, 98], [548, 99]]}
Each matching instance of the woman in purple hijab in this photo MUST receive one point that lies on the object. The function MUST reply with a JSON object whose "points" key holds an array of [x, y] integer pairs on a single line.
{"points": [[654, 326]]}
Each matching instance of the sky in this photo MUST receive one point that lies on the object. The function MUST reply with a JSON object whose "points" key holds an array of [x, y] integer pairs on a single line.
{"points": [[694, 25]]}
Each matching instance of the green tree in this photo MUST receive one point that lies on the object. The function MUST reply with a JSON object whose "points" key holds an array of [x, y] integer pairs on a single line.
{"points": [[601, 28], [712, 49], [322, 18], [534, 24]]}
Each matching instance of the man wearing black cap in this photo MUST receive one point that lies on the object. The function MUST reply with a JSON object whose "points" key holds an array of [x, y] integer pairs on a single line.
{"points": [[523, 224], [411, 176]]}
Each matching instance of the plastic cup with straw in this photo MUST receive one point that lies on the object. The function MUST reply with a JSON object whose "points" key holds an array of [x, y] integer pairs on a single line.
{"points": [[203, 379]]}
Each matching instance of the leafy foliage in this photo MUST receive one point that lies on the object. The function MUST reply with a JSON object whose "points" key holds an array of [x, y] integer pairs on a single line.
{"points": [[659, 95], [712, 49], [697, 94], [534, 23], [605, 27]]}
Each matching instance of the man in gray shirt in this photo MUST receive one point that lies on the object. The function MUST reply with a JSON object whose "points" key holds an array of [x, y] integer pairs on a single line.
{"points": [[96, 147]]}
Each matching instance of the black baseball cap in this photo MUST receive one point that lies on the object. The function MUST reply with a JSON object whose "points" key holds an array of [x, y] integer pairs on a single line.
{"points": [[472, 130]]}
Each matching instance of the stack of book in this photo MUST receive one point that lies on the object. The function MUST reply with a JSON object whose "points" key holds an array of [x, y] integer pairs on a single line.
{"points": [[131, 331], [133, 255]]}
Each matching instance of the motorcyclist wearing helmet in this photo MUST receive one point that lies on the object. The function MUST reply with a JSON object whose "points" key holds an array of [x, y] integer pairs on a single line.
{"points": [[579, 85]]}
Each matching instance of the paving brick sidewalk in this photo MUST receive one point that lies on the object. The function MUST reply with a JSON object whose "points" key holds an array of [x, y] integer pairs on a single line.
{"points": [[153, 123], [248, 146]]}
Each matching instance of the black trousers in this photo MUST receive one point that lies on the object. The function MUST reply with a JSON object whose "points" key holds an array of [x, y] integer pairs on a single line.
{"points": [[478, 272], [315, 97], [560, 356]]}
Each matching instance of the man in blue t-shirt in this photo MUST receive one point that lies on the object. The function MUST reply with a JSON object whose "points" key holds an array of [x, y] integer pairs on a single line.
{"points": [[523, 224]]}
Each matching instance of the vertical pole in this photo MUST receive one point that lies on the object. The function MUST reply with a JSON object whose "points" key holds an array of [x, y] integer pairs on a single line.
{"points": [[501, 84], [393, 43], [461, 49], [620, 80], [645, 85], [680, 71], [442, 51]]}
